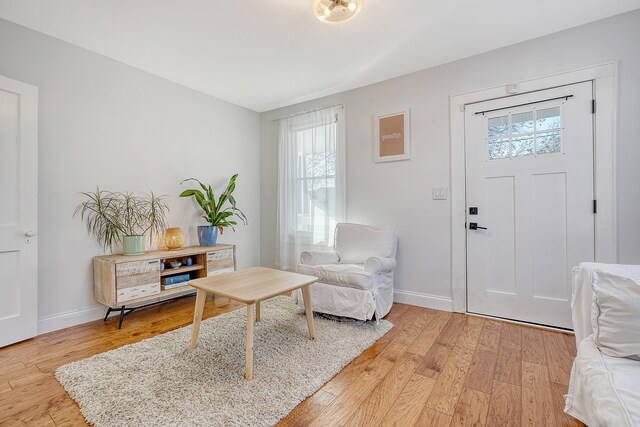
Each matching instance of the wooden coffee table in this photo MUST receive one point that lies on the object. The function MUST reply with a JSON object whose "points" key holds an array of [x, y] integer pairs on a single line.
{"points": [[251, 286]]}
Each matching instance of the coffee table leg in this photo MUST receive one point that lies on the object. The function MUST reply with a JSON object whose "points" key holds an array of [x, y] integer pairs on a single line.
{"points": [[258, 311], [201, 297], [306, 296], [249, 349]]}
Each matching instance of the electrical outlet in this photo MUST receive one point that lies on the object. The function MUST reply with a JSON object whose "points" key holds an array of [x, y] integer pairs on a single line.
{"points": [[439, 193]]}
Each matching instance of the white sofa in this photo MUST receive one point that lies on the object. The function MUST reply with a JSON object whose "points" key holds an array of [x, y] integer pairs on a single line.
{"points": [[356, 277], [604, 390]]}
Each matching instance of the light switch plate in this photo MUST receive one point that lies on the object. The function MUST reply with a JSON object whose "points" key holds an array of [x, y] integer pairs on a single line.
{"points": [[439, 193]]}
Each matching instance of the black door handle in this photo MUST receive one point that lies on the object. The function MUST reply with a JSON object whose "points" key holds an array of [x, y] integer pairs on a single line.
{"points": [[475, 226]]}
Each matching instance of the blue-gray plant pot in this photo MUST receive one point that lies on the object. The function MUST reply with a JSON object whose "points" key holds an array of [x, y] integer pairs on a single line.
{"points": [[207, 235]]}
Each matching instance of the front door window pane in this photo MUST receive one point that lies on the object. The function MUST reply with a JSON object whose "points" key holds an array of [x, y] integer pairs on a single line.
{"points": [[548, 142], [499, 149], [523, 134], [498, 128], [522, 122], [547, 119], [522, 146]]}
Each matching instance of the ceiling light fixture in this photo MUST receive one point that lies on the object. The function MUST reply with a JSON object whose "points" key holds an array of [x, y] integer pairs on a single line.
{"points": [[336, 11]]}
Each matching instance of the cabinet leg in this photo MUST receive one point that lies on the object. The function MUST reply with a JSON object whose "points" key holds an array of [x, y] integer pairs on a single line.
{"points": [[121, 317], [108, 313]]}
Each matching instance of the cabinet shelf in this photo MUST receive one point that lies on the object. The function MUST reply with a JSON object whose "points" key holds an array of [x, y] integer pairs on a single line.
{"points": [[184, 269]]}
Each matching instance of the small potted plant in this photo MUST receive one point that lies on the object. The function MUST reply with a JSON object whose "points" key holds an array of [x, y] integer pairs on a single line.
{"points": [[125, 218], [215, 213]]}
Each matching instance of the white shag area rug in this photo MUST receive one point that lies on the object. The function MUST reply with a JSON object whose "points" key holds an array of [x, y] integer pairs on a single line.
{"points": [[162, 382]]}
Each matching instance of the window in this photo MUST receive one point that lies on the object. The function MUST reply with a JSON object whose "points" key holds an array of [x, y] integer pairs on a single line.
{"points": [[310, 183], [524, 134], [316, 181]]}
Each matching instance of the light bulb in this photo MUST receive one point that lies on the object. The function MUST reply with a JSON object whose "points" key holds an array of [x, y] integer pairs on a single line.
{"points": [[327, 12], [352, 6]]}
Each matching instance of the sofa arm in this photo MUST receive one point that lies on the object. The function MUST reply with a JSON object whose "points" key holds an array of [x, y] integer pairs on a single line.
{"points": [[318, 257], [376, 264]]}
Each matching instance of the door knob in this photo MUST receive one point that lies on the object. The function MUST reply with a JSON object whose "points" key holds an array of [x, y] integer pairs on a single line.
{"points": [[29, 233], [475, 226]]}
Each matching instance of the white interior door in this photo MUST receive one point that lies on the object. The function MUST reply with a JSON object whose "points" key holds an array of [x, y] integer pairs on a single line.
{"points": [[529, 174], [18, 211]]}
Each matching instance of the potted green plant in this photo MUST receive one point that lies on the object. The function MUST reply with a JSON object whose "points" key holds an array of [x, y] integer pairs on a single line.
{"points": [[215, 213], [113, 217]]}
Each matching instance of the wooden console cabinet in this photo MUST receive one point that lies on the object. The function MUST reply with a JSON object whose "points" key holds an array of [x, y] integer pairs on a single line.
{"points": [[121, 281]]}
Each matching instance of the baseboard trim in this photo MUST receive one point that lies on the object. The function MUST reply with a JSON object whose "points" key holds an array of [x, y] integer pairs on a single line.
{"points": [[423, 300], [66, 320], [73, 318]]}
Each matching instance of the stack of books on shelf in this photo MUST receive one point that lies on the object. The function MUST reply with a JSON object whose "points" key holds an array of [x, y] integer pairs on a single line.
{"points": [[176, 281]]}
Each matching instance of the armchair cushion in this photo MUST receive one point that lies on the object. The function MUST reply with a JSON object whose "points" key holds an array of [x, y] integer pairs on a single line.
{"points": [[354, 243], [616, 314], [582, 297], [319, 257], [345, 275], [376, 265]]}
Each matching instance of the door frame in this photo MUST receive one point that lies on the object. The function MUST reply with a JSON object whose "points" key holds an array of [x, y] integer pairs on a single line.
{"points": [[603, 77]]}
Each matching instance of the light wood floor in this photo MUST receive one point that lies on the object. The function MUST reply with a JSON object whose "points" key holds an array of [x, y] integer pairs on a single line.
{"points": [[433, 369]]}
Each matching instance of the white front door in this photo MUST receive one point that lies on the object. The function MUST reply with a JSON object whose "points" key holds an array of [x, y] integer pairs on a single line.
{"points": [[18, 211], [530, 209]]}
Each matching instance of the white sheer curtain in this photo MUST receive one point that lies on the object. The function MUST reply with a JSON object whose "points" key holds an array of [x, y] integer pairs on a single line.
{"points": [[310, 183]]}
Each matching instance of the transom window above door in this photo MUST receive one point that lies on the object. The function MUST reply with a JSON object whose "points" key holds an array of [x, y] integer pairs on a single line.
{"points": [[527, 133]]}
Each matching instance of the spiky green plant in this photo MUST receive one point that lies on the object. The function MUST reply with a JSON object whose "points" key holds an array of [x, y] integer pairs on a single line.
{"points": [[214, 211], [110, 216]]}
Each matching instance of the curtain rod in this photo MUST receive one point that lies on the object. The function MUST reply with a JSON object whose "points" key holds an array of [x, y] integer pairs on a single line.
{"points": [[307, 111], [565, 97]]}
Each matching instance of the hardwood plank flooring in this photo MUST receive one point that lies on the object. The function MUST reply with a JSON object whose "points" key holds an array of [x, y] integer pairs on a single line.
{"points": [[447, 390], [408, 406], [558, 358], [481, 371], [533, 346], [472, 408], [433, 369], [490, 336], [537, 408], [505, 407]]}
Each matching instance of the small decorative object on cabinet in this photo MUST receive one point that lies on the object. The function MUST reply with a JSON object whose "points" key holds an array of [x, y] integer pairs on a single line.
{"points": [[125, 283], [217, 217], [173, 238]]}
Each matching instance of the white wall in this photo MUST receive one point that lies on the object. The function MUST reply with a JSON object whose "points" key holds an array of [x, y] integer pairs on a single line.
{"points": [[399, 193], [105, 123]]}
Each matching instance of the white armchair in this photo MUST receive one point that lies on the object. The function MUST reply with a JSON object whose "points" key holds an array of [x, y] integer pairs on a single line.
{"points": [[604, 390], [356, 278]]}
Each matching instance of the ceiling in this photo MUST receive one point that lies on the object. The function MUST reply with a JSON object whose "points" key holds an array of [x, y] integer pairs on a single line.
{"points": [[265, 54]]}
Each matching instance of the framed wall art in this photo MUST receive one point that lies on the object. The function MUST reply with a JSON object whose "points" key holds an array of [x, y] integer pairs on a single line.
{"points": [[392, 136]]}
